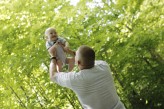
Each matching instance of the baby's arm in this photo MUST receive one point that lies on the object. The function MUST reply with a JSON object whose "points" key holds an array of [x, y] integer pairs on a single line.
{"points": [[66, 49]]}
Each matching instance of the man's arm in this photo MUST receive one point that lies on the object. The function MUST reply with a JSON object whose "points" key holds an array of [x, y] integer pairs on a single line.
{"points": [[53, 62], [52, 68]]}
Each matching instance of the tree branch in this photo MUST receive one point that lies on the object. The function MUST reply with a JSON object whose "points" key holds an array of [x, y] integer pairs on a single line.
{"points": [[20, 101]]}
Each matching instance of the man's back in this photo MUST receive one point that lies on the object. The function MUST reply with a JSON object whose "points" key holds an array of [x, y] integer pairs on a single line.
{"points": [[95, 87]]}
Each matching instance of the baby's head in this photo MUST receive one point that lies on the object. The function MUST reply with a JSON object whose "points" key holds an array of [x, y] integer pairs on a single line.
{"points": [[51, 34]]}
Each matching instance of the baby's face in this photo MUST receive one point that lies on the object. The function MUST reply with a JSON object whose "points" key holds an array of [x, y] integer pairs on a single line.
{"points": [[51, 34]]}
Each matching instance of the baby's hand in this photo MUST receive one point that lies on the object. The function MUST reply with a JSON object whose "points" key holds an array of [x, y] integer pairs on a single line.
{"points": [[66, 49], [59, 43]]}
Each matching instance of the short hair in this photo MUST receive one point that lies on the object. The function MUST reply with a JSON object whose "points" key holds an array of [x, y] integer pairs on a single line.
{"points": [[87, 55], [48, 29]]}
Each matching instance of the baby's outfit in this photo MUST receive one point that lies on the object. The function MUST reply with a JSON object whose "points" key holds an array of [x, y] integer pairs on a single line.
{"points": [[60, 54]]}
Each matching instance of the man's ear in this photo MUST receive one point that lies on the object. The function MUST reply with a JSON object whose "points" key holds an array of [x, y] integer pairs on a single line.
{"points": [[78, 62]]}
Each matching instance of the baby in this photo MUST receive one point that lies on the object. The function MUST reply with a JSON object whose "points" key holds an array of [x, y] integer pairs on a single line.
{"points": [[57, 48]]}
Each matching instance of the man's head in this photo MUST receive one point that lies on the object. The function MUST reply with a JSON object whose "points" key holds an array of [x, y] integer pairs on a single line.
{"points": [[85, 57], [51, 34]]}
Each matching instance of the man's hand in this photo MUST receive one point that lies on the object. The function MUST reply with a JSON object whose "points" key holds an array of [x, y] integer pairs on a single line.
{"points": [[53, 67]]}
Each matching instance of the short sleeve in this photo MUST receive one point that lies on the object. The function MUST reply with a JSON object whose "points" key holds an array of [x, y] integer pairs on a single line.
{"points": [[62, 40], [100, 62], [48, 45], [63, 79]]}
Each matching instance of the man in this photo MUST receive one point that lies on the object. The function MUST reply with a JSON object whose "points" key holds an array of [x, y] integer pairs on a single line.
{"points": [[93, 84]]}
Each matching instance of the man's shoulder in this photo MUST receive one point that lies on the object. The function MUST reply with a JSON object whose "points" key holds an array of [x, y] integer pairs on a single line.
{"points": [[100, 62]]}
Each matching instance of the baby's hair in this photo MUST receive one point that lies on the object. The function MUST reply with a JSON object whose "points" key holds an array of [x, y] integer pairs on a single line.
{"points": [[49, 29]]}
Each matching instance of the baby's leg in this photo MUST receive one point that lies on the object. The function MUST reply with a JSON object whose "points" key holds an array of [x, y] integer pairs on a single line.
{"points": [[52, 51], [71, 52], [71, 63], [59, 65], [57, 55]]}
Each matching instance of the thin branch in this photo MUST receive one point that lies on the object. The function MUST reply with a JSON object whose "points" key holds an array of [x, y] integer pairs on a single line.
{"points": [[20, 101], [27, 97], [40, 89], [156, 56]]}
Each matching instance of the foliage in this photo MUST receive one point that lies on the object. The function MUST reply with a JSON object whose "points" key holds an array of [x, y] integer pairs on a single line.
{"points": [[128, 34]]}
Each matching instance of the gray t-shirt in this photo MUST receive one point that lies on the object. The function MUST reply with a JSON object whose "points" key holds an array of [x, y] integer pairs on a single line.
{"points": [[60, 54], [94, 87]]}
